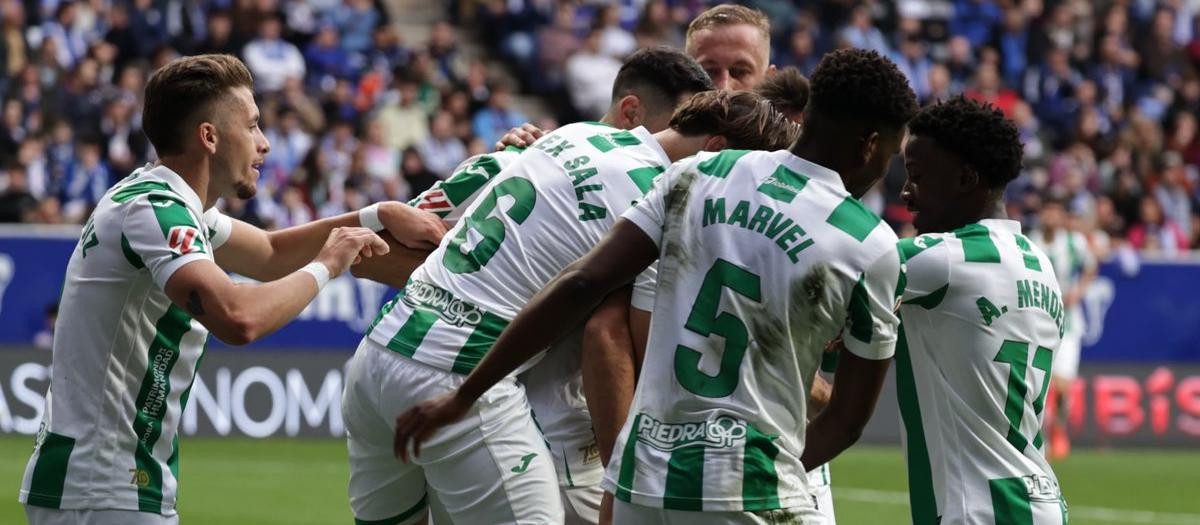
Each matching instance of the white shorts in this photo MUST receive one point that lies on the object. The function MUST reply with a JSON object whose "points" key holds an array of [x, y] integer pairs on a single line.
{"points": [[822, 492], [490, 467], [1066, 357], [630, 514], [44, 516], [582, 504]]}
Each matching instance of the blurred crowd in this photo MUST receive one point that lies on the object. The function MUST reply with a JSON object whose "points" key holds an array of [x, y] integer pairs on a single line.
{"points": [[353, 111], [1106, 94]]}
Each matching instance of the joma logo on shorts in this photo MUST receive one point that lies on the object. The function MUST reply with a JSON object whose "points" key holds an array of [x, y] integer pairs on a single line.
{"points": [[721, 432], [449, 308]]}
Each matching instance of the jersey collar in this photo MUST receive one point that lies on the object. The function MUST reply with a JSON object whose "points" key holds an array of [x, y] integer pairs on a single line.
{"points": [[177, 184], [1004, 225], [652, 143], [811, 169]]}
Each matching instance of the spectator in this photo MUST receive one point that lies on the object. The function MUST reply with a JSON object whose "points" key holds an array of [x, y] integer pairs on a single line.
{"points": [[655, 26], [590, 74], [441, 151], [443, 50], [801, 52], [417, 177], [861, 33], [556, 44], [915, 65], [960, 63], [1013, 43], [387, 53], [356, 21], [987, 88], [86, 183], [220, 37], [1154, 232], [271, 59], [327, 60], [402, 122], [71, 45], [615, 41], [381, 161], [17, 203], [498, 117], [1172, 192], [289, 143], [974, 20]]}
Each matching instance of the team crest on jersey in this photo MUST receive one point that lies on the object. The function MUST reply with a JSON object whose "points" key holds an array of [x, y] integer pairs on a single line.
{"points": [[435, 201], [184, 240], [722, 432]]}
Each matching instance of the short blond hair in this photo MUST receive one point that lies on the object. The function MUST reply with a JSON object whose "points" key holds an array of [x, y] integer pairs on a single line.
{"points": [[730, 15]]}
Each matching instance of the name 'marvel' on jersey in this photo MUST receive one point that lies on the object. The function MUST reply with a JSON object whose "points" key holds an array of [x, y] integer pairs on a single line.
{"points": [[124, 354], [982, 315], [764, 258], [532, 219]]}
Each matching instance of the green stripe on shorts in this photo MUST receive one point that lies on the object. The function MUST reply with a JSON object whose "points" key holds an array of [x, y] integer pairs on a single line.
{"points": [[50, 471], [1010, 502]]}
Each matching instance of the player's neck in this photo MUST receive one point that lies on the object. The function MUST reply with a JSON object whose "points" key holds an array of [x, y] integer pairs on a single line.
{"points": [[677, 146], [194, 171]]}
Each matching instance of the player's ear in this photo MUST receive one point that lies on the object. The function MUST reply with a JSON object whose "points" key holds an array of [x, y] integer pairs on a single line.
{"points": [[715, 143], [968, 178], [868, 143], [631, 113], [208, 137]]}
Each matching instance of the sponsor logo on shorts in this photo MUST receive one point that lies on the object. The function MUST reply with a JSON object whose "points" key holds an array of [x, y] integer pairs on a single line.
{"points": [[1042, 488], [452, 310], [519, 469], [721, 432]]}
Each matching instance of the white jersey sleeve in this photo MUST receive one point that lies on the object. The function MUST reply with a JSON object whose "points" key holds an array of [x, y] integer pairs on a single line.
{"points": [[164, 235], [926, 266], [871, 322], [648, 214], [449, 198], [220, 227]]}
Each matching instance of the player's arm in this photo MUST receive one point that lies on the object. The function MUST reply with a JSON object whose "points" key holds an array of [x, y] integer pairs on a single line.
{"points": [[394, 268], [550, 315], [868, 343], [267, 256], [521, 136], [610, 368]]}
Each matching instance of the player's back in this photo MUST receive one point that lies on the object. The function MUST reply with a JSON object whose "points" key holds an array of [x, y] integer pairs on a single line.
{"points": [[981, 317], [764, 256], [538, 215]]}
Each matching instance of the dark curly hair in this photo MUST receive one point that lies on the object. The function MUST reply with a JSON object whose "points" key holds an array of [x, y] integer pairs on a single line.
{"points": [[863, 85], [659, 75], [978, 133]]}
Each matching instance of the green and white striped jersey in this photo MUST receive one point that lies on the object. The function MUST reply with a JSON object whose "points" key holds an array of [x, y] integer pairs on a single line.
{"points": [[764, 259], [540, 214], [124, 355], [449, 198], [981, 317], [1070, 256]]}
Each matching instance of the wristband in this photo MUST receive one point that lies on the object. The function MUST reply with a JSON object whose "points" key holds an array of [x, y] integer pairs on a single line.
{"points": [[319, 271], [369, 218]]}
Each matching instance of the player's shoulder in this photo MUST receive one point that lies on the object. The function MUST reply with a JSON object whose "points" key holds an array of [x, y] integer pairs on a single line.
{"points": [[926, 248]]}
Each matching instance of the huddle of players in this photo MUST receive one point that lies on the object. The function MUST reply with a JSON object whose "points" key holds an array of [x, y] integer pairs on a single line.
{"points": [[709, 430], [970, 309], [726, 194]]}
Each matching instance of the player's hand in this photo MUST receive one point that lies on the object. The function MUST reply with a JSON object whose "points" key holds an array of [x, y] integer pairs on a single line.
{"points": [[421, 421], [412, 227], [346, 246], [1073, 297], [522, 136]]}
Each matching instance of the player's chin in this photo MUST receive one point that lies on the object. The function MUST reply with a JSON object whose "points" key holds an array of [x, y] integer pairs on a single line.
{"points": [[246, 191]]}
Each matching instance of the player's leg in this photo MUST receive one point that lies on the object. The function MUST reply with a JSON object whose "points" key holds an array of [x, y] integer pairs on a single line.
{"points": [[381, 487], [582, 504], [43, 516], [1063, 372]]}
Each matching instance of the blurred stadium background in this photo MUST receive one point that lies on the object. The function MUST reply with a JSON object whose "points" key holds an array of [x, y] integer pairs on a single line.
{"points": [[366, 100]]}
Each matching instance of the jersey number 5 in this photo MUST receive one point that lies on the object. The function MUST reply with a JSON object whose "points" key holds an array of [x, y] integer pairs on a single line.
{"points": [[1016, 354], [704, 320], [490, 228]]}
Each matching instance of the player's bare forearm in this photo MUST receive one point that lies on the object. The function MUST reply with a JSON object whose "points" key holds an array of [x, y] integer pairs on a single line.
{"points": [[850, 407], [818, 395], [609, 369], [563, 304], [267, 256], [394, 268]]}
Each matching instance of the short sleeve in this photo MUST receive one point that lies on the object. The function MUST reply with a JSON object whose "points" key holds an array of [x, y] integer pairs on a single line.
{"points": [[649, 213], [220, 227], [164, 234], [871, 314], [449, 198], [643, 289], [926, 267]]}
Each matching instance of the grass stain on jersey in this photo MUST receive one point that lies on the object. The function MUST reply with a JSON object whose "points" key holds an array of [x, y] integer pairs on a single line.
{"points": [[778, 517], [810, 303], [673, 246]]}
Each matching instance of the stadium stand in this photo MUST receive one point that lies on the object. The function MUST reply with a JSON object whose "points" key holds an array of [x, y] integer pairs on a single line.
{"points": [[368, 100]]}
